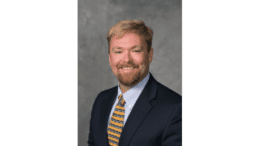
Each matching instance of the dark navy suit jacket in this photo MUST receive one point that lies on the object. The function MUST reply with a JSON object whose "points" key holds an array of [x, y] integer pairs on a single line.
{"points": [[155, 120]]}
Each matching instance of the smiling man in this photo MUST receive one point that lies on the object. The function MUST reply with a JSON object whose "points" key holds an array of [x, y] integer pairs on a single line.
{"points": [[140, 110], [129, 59]]}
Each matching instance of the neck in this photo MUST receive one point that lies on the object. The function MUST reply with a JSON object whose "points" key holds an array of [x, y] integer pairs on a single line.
{"points": [[125, 88]]}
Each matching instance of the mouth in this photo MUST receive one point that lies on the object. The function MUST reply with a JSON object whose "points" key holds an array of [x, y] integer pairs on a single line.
{"points": [[127, 68]]}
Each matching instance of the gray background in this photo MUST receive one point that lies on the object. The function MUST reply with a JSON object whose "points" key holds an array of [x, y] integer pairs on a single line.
{"points": [[94, 73]]}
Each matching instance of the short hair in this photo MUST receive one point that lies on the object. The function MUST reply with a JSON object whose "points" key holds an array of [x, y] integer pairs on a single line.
{"points": [[134, 26]]}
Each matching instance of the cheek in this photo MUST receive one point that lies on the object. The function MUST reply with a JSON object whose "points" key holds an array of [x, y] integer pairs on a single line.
{"points": [[143, 67], [113, 61], [144, 62], [113, 66], [138, 58]]}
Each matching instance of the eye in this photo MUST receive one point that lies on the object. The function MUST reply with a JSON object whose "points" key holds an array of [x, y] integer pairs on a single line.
{"points": [[137, 51], [117, 52]]}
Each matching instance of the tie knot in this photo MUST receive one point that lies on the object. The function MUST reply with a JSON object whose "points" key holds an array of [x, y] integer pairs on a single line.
{"points": [[121, 99]]}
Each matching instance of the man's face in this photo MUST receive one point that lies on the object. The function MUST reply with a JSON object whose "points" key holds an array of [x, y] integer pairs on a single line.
{"points": [[129, 58]]}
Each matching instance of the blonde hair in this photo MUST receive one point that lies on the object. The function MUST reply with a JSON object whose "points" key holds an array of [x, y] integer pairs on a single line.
{"points": [[133, 26]]}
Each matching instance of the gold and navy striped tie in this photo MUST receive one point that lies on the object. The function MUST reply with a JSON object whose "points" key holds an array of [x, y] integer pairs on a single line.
{"points": [[116, 124]]}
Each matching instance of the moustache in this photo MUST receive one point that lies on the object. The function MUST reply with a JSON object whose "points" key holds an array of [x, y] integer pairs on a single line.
{"points": [[127, 65]]}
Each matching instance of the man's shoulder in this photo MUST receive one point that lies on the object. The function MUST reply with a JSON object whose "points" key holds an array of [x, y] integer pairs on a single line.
{"points": [[108, 92], [163, 91], [167, 93]]}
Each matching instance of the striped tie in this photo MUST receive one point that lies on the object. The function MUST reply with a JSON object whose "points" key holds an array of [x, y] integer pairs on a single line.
{"points": [[116, 124]]}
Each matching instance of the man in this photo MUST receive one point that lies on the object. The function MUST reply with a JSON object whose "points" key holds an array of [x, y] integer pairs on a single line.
{"points": [[139, 111]]}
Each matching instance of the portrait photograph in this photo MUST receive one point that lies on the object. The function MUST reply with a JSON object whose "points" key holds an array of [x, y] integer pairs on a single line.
{"points": [[129, 73], [128, 47]]}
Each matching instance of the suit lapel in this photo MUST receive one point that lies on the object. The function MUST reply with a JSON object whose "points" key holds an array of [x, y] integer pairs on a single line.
{"points": [[139, 112], [104, 114]]}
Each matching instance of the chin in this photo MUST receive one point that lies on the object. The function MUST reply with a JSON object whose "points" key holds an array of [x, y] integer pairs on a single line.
{"points": [[128, 80]]}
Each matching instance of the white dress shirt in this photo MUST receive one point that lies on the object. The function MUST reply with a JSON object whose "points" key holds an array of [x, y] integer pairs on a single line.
{"points": [[130, 97]]}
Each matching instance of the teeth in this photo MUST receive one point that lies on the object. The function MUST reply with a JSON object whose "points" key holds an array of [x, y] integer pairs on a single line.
{"points": [[127, 67]]}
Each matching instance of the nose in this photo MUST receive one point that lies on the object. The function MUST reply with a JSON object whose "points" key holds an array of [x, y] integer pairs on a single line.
{"points": [[127, 56]]}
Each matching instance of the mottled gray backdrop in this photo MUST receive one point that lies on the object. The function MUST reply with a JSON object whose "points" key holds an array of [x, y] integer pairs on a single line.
{"points": [[94, 73]]}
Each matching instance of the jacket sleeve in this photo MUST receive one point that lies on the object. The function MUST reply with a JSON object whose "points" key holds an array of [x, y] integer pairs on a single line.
{"points": [[172, 135], [91, 135]]}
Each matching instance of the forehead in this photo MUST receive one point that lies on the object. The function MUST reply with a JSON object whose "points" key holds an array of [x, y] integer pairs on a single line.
{"points": [[126, 40]]}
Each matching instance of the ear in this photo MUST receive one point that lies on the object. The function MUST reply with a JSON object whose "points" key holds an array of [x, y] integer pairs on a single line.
{"points": [[151, 55]]}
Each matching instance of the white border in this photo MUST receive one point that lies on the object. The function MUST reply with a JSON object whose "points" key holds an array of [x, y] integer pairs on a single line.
{"points": [[38, 77], [221, 73]]}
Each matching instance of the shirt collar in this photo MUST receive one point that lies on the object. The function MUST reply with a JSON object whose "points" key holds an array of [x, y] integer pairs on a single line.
{"points": [[133, 93]]}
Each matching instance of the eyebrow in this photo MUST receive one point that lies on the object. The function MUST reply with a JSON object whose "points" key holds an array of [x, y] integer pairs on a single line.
{"points": [[116, 48], [137, 46]]}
